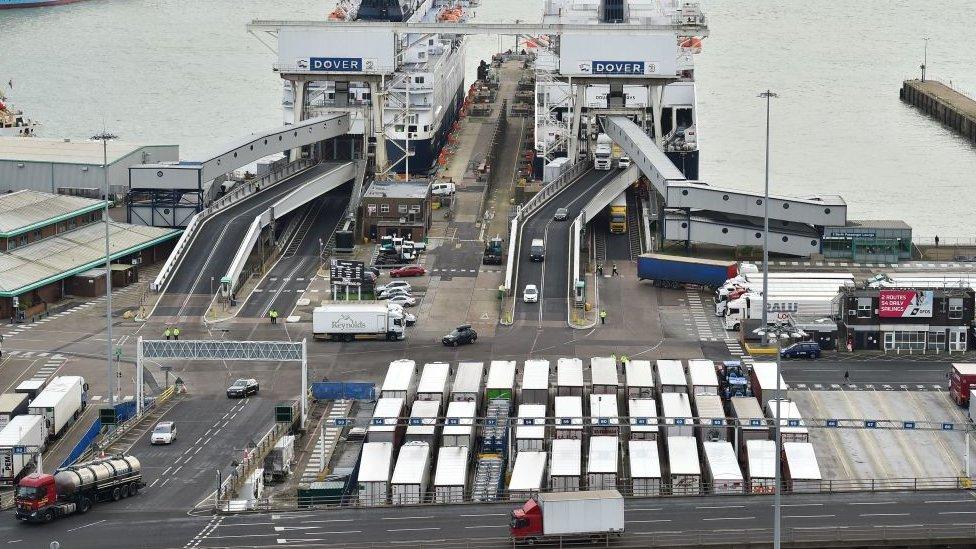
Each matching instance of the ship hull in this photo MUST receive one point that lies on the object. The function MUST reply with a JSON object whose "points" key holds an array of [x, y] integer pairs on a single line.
{"points": [[13, 4], [425, 151]]}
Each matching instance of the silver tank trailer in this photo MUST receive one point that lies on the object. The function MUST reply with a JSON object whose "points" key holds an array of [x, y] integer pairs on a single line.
{"points": [[70, 479]]}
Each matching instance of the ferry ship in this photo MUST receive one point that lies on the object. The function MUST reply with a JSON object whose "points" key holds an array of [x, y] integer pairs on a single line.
{"points": [[13, 123], [5, 4], [679, 124]]}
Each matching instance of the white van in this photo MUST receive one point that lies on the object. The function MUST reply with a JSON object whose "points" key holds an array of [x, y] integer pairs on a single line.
{"points": [[442, 189]]}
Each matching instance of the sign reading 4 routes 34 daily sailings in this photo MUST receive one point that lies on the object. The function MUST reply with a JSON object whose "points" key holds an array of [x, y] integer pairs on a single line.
{"points": [[905, 304]]}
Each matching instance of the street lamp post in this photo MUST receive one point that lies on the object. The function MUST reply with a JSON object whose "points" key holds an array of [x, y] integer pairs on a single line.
{"points": [[768, 95], [104, 137], [925, 58]]}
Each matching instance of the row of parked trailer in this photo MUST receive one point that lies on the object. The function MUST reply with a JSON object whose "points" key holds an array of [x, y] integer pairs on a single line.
{"points": [[422, 438]]}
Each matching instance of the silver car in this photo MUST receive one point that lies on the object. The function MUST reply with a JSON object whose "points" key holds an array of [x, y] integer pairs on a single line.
{"points": [[562, 214]]}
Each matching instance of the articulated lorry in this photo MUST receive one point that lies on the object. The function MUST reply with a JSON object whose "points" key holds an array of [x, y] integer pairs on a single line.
{"points": [[75, 488], [603, 152], [594, 514], [675, 271], [349, 321], [21, 441], [618, 214], [781, 308], [60, 403]]}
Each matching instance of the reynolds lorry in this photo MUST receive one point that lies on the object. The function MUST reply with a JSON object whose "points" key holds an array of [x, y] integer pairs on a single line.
{"points": [[594, 514], [675, 271], [603, 152], [349, 321], [20, 443], [60, 403], [75, 488]]}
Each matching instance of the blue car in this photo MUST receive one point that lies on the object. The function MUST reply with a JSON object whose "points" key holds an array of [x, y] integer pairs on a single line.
{"points": [[808, 349]]}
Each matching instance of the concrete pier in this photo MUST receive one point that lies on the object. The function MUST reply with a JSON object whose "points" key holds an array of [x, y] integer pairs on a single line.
{"points": [[943, 103]]}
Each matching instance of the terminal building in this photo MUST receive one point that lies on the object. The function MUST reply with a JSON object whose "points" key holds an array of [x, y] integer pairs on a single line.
{"points": [[396, 208], [50, 243]]}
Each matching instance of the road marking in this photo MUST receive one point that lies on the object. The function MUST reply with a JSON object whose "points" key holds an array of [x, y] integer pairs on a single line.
{"points": [[154, 483], [488, 526], [644, 509], [872, 503], [646, 521], [957, 512], [177, 470], [808, 516], [485, 515], [87, 525], [198, 440], [729, 518], [166, 471], [899, 525], [720, 507], [885, 514], [412, 529], [317, 521], [801, 505], [406, 518], [948, 501]]}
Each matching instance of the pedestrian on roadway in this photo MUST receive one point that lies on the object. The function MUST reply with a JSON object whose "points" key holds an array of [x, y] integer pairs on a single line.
{"points": [[614, 272], [168, 332], [603, 316], [176, 333], [624, 360], [847, 376], [599, 269], [274, 316]]}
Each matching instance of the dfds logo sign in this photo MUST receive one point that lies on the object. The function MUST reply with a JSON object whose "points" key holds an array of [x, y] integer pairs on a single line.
{"points": [[335, 64], [617, 67]]}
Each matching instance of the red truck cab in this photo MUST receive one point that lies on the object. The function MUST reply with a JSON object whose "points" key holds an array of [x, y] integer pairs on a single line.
{"points": [[960, 378], [527, 521], [35, 493]]}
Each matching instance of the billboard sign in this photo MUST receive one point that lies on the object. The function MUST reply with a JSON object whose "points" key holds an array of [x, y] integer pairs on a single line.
{"points": [[905, 304], [646, 54], [617, 68], [336, 51], [337, 64]]}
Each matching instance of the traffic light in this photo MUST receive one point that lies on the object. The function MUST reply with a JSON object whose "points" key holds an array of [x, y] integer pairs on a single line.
{"points": [[107, 416]]}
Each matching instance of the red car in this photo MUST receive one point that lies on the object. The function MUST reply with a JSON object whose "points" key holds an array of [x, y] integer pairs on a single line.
{"points": [[408, 270]]}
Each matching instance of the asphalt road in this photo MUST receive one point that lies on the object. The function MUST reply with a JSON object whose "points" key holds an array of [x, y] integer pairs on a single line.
{"points": [[552, 274], [826, 372], [284, 282], [188, 292]]}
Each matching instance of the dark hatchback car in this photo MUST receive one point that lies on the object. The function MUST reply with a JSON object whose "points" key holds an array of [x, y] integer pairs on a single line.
{"points": [[462, 335], [242, 388], [808, 349]]}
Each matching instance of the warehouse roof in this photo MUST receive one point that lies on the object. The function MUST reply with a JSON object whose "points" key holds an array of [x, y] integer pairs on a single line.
{"points": [[63, 151], [28, 267], [25, 210]]}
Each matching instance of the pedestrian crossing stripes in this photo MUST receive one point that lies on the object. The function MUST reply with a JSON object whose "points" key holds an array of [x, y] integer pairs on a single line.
{"points": [[866, 387], [31, 354], [906, 265], [701, 321]]}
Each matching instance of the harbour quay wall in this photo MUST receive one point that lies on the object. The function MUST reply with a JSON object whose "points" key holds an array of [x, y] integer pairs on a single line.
{"points": [[949, 106]]}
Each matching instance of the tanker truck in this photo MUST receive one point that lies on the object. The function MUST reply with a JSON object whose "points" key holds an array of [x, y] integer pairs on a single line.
{"points": [[75, 488]]}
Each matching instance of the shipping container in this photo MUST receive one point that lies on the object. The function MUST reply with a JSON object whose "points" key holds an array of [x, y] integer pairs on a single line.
{"points": [[750, 421], [422, 424], [711, 417], [11, 405], [761, 466], [535, 382], [701, 374], [673, 271], [722, 473], [451, 476], [385, 425], [31, 387], [433, 381], [639, 379], [792, 428], [566, 465], [670, 377], [603, 373], [399, 378], [683, 465], [602, 463], [645, 468], [801, 472], [460, 428], [569, 417], [27, 431], [373, 480], [411, 474], [678, 418], [569, 377], [501, 380], [60, 403], [764, 377], [604, 416], [467, 382], [643, 419], [530, 432], [528, 475]]}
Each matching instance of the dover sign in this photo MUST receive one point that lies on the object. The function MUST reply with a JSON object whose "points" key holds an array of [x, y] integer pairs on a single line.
{"points": [[905, 304]]}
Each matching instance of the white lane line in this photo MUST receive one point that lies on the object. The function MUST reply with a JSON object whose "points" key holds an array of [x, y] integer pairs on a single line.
{"points": [[644, 509], [872, 503], [161, 484], [406, 518], [899, 525], [166, 471], [647, 521], [322, 521], [884, 515], [198, 440], [807, 516], [87, 525], [957, 512], [154, 483], [177, 470], [485, 515], [412, 529], [720, 507], [949, 501], [487, 526], [730, 518]]}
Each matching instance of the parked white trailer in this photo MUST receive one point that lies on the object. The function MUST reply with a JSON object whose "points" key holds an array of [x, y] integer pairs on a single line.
{"points": [[711, 417], [385, 425], [411, 475], [764, 386], [27, 431], [792, 428], [451, 475], [761, 463], [346, 321], [643, 419], [11, 405], [399, 378], [528, 475], [750, 421], [535, 382], [645, 467], [501, 380], [60, 403], [459, 430], [569, 417], [678, 418], [702, 376], [801, 472], [684, 466], [602, 463], [422, 423], [670, 377], [603, 374], [31, 387], [569, 377], [566, 465], [604, 416], [722, 473], [530, 433], [433, 381], [639, 378], [467, 382], [375, 467]]}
